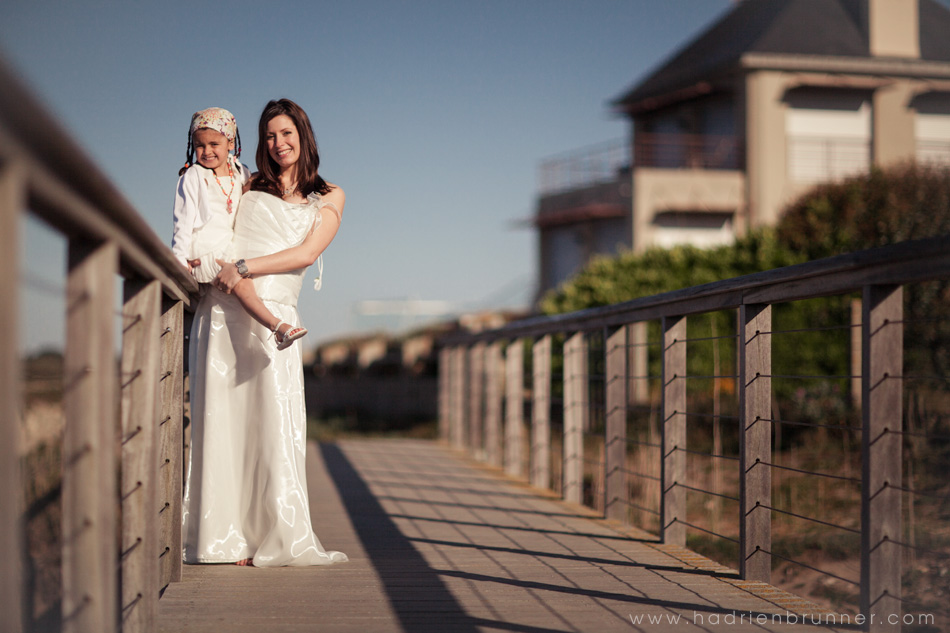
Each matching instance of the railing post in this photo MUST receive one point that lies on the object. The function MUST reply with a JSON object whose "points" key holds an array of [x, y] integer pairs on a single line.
{"points": [[89, 490], [457, 429], [170, 464], [514, 408], [882, 391], [615, 440], [12, 187], [638, 391], [445, 394], [673, 466], [140, 408], [575, 407], [755, 442], [494, 397], [476, 399], [541, 413]]}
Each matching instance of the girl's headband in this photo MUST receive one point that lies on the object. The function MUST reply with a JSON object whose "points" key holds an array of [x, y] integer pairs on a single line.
{"points": [[217, 119]]}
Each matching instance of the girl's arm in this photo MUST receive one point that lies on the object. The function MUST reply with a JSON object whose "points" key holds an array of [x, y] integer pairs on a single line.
{"points": [[185, 213], [292, 258]]}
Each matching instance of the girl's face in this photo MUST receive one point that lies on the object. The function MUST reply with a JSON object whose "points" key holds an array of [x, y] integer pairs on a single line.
{"points": [[283, 142], [212, 149]]}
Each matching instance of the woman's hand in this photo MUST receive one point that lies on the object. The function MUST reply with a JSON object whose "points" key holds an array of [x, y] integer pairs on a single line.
{"points": [[227, 278]]}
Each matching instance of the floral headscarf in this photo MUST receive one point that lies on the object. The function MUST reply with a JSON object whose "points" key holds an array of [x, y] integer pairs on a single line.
{"points": [[217, 119]]}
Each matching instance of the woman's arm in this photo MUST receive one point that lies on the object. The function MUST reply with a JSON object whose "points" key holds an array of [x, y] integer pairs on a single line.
{"points": [[292, 258]]}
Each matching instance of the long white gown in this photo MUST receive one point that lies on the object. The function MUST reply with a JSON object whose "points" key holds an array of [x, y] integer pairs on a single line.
{"points": [[246, 487]]}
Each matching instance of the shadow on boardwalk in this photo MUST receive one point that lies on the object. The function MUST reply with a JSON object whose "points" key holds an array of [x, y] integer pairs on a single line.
{"points": [[438, 543]]}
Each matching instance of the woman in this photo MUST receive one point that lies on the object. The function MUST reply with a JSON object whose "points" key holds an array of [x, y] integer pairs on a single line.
{"points": [[246, 492]]}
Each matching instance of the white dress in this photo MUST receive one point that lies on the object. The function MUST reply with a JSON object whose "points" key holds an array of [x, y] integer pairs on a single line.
{"points": [[246, 488]]}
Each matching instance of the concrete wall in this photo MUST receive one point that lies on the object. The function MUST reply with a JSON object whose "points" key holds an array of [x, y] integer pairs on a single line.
{"points": [[661, 190]]}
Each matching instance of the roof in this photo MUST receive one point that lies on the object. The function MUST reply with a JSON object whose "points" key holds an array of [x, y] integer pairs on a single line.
{"points": [[828, 28]]}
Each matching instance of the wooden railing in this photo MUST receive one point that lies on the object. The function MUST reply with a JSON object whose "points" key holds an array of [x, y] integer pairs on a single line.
{"points": [[485, 392], [122, 439]]}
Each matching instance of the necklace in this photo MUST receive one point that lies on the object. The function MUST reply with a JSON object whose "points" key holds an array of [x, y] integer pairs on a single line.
{"points": [[287, 192], [227, 194]]}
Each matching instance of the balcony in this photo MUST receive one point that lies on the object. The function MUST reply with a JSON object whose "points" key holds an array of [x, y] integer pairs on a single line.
{"points": [[687, 151], [585, 167]]}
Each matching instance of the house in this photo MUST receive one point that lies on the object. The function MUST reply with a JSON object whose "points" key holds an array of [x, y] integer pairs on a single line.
{"points": [[774, 97]]}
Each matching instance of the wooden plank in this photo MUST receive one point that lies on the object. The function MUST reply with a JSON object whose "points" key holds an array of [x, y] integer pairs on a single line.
{"points": [[615, 442], [140, 408], [673, 467], [882, 424], [476, 399], [170, 424], [541, 413], [513, 446], [755, 442], [494, 403], [439, 543], [89, 489], [575, 387], [11, 521]]}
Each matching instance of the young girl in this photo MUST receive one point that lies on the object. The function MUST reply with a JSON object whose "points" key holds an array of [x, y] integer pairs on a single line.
{"points": [[206, 199]]}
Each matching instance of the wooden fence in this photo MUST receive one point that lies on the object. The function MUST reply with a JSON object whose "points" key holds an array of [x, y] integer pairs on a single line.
{"points": [[122, 445], [483, 400]]}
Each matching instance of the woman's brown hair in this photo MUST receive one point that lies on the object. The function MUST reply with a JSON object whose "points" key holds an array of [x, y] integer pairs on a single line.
{"points": [[308, 164]]}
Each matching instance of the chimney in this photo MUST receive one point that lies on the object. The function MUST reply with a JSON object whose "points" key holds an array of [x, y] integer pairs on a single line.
{"points": [[893, 28]]}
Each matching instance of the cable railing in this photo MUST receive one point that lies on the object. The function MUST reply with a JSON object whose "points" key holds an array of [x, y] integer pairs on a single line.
{"points": [[584, 167], [119, 479], [728, 439]]}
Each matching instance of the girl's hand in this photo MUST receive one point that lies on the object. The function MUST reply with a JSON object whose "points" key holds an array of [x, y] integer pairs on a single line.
{"points": [[193, 263], [227, 278]]}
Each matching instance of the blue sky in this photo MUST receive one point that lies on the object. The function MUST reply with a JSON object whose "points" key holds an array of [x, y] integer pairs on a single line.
{"points": [[432, 115]]}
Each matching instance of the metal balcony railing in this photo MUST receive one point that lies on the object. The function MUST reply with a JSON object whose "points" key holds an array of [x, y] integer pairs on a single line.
{"points": [[583, 167], [687, 151]]}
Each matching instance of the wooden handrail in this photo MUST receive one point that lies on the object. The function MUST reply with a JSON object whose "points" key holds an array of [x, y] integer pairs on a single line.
{"points": [[121, 518], [68, 190], [906, 262]]}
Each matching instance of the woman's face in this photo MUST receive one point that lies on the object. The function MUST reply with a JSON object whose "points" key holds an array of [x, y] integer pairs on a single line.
{"points": [[283, 142]]}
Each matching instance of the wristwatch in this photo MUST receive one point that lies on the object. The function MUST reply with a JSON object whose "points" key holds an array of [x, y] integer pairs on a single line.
{"points": [[242, 268]]}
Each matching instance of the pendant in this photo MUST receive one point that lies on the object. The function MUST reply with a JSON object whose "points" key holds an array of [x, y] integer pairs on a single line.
{"points": [[229, 205]]}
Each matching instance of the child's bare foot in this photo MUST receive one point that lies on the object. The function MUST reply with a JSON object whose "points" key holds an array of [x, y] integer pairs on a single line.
{"points": [[247, 562], [286, 334]]}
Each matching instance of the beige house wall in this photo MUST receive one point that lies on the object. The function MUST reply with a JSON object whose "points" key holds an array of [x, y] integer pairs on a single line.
{"points": [[769, 187], [765, 145], [659, 190], [893, 28], [894, 132]]}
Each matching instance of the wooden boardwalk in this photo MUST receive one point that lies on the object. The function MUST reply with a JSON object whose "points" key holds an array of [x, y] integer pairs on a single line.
{"points": [[440, 543]]}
